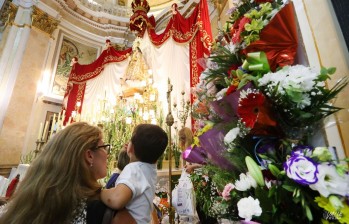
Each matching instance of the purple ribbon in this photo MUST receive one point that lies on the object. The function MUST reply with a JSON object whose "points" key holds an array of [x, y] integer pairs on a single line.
{"points": [[195, 155], [213, 142], [227, 107]]}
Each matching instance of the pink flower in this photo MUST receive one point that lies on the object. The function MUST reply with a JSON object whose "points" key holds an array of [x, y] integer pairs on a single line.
{"points": [[226, 191]]}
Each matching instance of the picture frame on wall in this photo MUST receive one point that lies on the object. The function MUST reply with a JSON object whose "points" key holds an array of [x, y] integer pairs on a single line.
{"points": [[70, 47]]}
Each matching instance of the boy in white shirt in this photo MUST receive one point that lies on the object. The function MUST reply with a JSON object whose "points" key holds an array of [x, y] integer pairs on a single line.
{"points": [[135, 187]]}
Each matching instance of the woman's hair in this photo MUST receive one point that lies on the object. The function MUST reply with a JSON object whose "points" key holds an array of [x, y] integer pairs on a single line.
{"points": [[185, 136], [57, 180]]}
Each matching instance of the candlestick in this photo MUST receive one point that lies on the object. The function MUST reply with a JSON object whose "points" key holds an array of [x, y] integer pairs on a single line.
{"points": [[45, 131], [169, 122], [59, 117], [40, 132]]}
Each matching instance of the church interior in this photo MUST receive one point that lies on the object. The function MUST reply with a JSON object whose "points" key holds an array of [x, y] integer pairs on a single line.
{"points": [[117, 63]]}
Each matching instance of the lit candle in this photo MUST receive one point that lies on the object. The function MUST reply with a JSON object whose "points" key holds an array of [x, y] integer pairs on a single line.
{"points": [[40, 132], [45, 130]]}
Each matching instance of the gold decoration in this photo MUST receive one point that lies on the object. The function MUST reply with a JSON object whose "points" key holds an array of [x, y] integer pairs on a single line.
{"points": [[8, 15], [43, 21]]}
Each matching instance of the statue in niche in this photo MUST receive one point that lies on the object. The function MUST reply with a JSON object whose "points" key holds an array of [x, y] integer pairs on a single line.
{"points": [[136, 73]]}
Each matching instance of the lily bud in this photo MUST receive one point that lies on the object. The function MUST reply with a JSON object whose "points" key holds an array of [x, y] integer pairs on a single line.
{"points": [[254, 170]]}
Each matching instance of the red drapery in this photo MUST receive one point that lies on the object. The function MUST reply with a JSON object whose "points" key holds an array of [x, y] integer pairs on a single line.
{"points": [[81, 73], [195, 29]]}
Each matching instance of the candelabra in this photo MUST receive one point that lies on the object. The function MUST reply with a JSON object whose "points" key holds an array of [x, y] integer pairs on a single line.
{"points": [[39, 144], [169, 122], [184, 110]]}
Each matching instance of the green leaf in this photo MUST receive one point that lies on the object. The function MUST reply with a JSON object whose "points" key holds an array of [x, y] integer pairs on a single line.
{"points": [[288, 188], [295, 94], [274, 170], [331, 70], [323, 71], [308, 213]]}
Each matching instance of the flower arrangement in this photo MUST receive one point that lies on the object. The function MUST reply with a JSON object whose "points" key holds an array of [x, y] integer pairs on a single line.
{"points": [[248, 18], [260, 162], [301, 92], [161, 201]]}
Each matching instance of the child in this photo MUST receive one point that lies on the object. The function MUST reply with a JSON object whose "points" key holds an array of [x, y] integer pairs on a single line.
{"points": [[123, 160], [135, 187]]}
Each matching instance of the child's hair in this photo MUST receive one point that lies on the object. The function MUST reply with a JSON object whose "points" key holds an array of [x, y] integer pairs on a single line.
{"points": [[149, 142], [123, 159]]}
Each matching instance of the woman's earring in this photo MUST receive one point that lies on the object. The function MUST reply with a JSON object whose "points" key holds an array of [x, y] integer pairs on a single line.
{"points": [[91, 164]]}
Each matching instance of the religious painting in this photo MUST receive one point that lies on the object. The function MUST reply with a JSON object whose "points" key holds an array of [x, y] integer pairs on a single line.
{"points": [[70, 48]]}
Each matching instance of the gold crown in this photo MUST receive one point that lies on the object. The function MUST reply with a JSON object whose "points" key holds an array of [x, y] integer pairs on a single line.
{"points": [[140, 5]]}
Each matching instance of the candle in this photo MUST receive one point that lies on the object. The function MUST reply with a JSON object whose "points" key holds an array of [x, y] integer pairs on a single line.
{"points": [[45, 130], [63, 118], [59, 117], [40, 132], [69, 121], [53, 124]]}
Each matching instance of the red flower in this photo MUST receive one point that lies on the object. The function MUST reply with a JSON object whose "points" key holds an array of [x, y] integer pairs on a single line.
{"points": [[237, 28], [233, 67], [231, 89], [249, 108]]}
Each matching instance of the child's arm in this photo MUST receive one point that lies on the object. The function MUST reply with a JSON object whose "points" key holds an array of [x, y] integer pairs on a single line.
{"points": [[117, 197]]}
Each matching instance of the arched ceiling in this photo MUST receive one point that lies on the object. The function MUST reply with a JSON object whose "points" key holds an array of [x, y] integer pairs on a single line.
{"points": [[110, 18]]}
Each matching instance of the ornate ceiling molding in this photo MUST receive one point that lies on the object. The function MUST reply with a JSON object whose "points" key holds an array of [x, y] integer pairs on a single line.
{"points": [[43, 21]]}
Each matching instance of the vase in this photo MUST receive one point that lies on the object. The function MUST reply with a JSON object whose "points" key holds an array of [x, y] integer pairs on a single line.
{"points": [[294, 133]]}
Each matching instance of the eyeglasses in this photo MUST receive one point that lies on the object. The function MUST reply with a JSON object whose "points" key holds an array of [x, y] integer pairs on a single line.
{"points": [[106, 148]]}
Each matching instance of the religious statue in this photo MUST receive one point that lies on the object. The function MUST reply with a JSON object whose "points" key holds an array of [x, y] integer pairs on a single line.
{"points": [[136, 73]]}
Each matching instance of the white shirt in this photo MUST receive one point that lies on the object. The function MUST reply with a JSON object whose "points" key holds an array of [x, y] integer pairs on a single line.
{"points": [[141, 178]]}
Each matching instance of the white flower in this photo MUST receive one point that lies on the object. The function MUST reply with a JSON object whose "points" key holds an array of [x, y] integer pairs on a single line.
{"points": [[231, 135], [330, 182], [156, 200], [301, 169], [249, 207], [221, 93], [246, 182], [322, 153]]}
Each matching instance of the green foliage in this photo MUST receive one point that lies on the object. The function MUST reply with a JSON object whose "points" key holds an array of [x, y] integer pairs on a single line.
{"points": [[224, 60], [27, 158]]}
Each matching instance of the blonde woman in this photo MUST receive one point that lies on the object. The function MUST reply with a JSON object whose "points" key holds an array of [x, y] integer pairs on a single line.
{"points": [[185, 136], [62, 180]]}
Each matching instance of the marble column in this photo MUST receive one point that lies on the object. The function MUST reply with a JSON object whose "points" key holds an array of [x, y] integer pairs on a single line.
{"points": [[12, 54]]}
